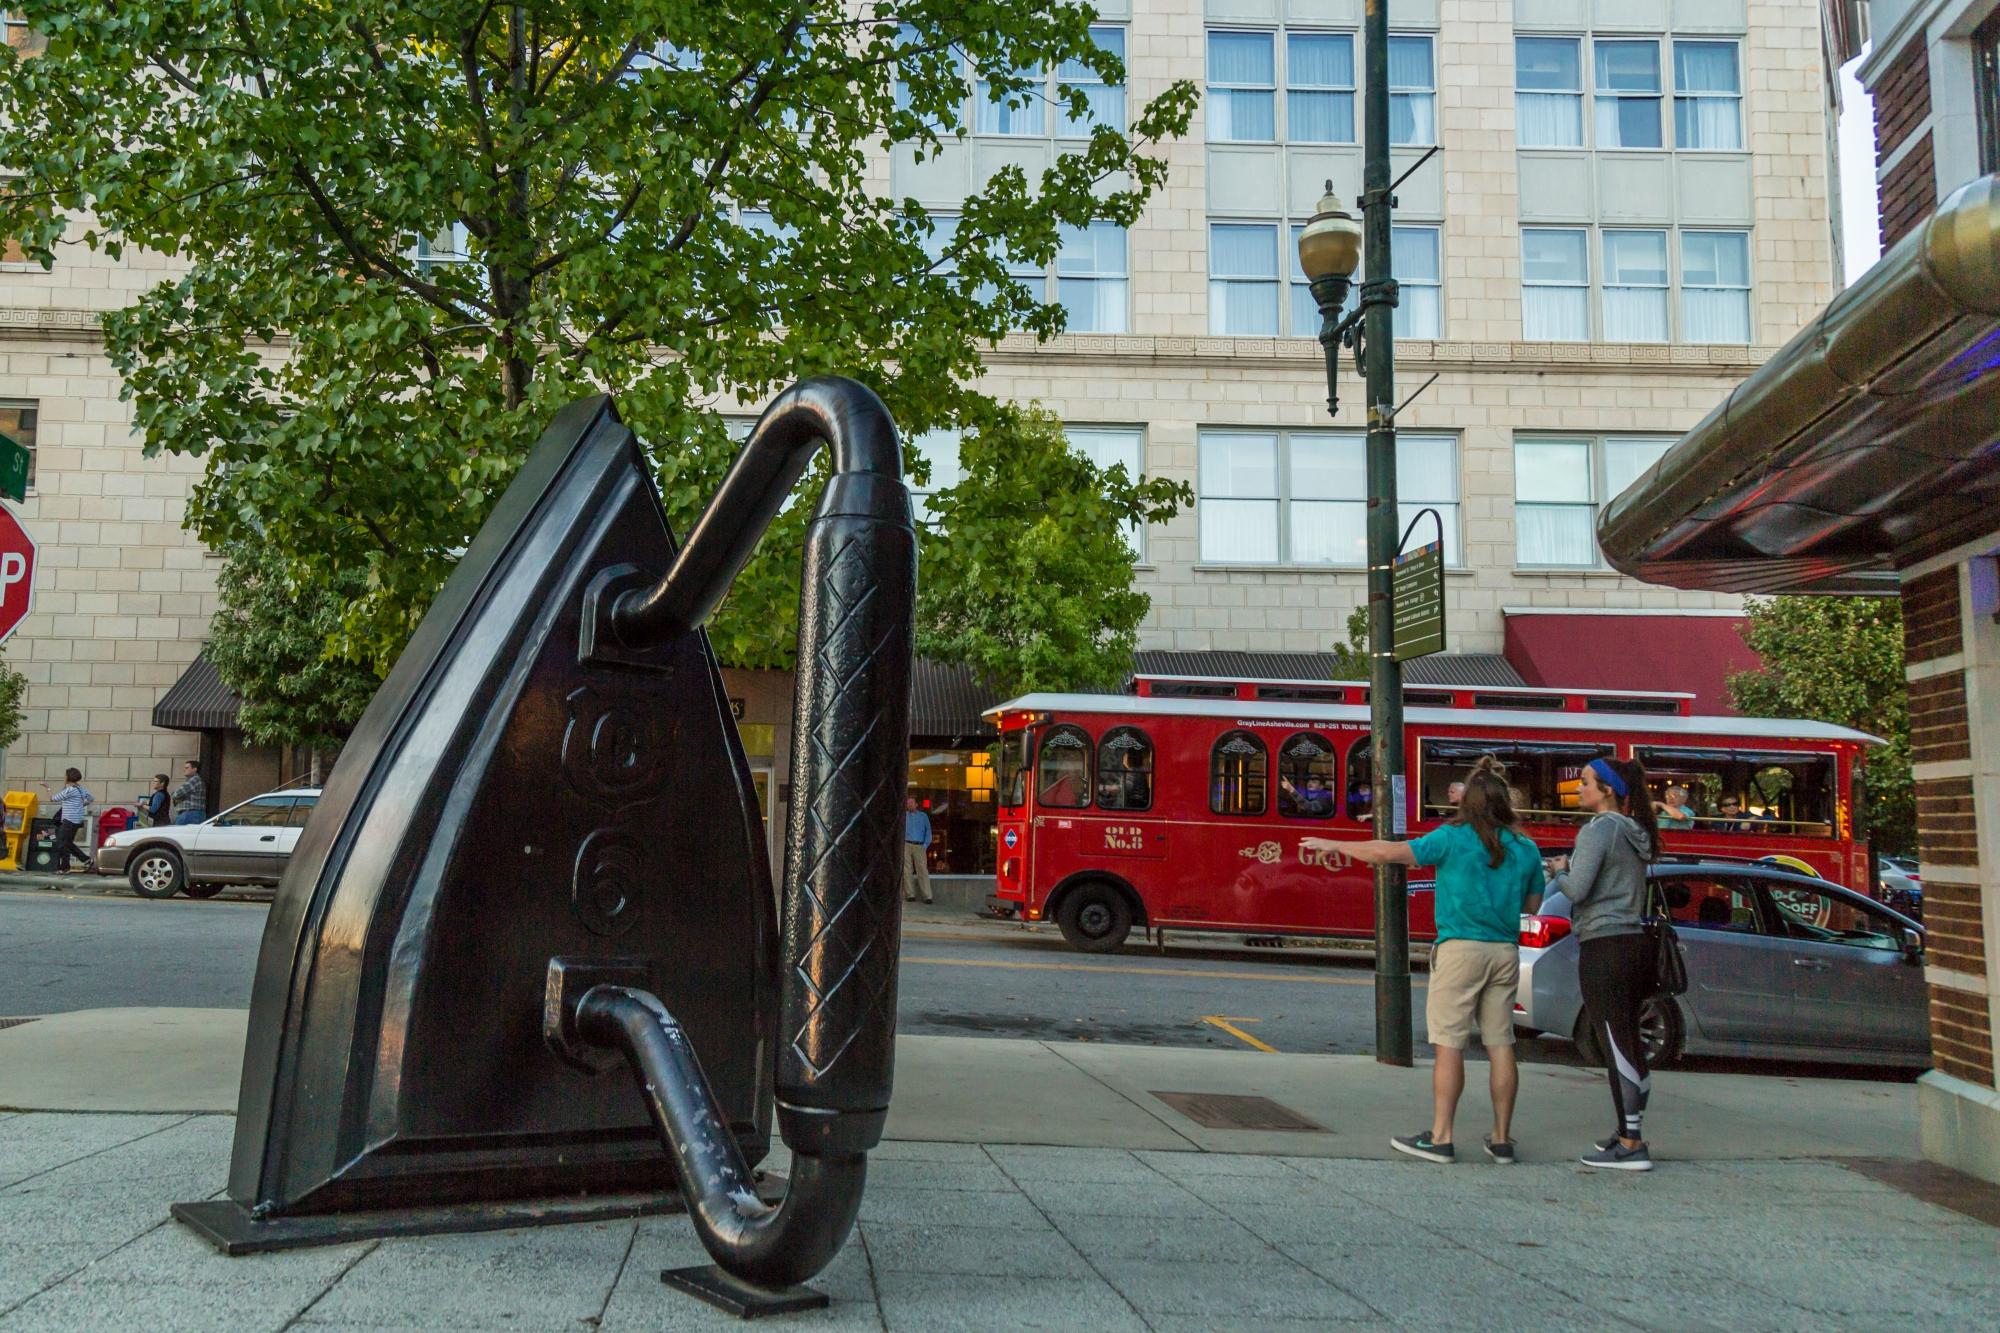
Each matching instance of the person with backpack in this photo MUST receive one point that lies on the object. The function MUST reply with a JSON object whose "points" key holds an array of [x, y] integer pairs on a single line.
{"points": [[1488, 873], [1617, 961], [75, 801]]}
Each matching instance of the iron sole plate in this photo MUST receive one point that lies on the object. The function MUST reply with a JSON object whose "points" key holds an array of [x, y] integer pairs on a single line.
{"points": [[734, 1296]]}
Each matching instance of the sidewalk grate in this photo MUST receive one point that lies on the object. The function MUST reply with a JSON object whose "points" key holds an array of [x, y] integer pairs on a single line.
{"points": [[1223, 1110], [15, 1022]]}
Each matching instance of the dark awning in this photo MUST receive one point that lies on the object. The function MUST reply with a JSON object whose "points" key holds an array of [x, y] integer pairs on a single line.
{"points": [[1489, 669], [1869, 442], [1595, 651], [198, 701], [945, 702]]}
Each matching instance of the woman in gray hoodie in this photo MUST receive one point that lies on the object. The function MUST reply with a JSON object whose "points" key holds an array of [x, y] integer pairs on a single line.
{"points": [[1606, 886]]}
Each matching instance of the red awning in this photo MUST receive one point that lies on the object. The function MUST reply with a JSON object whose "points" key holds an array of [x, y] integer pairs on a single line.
{"points": [[1610, 651]]}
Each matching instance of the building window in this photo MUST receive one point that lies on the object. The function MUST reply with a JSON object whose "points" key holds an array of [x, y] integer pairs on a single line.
{"points": [[938, 448], [1986, 91], [1627, 94], [1555, 285], [1419, 313], [1715, 287], [1412, 92], [1708, 96], [1125, 770], [1319, 87], [25, 40], [1091, 277], [11, 249], [1113, 446], [18, 423], [1548, 92], [1242, 87], [1243, 278], [1062, 774], [1021, 115], [1559, 483], [1107, 100], [446, 249], [1301, 497], [956, 788], [1238, 771], [1635, 286]]}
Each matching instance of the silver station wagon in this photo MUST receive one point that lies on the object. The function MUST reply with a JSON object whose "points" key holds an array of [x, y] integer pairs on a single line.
{"points": [[245, 844], [1780, 966]]}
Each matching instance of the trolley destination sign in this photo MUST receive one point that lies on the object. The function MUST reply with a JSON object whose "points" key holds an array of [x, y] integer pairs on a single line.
{"points": [[1417, 598]]}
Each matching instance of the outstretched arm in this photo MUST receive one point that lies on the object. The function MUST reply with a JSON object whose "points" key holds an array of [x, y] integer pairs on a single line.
{"points": [[1373, 851]]}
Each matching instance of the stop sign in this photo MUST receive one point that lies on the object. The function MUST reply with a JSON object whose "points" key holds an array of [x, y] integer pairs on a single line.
{"points": [[17, 573]]}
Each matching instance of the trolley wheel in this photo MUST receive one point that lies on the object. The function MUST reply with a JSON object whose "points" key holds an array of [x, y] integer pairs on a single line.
{"points": [[157, 872], [202, 890], [1095, 918]]}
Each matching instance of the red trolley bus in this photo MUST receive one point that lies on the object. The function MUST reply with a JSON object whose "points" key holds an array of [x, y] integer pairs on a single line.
{"points": [[1184, 804]]}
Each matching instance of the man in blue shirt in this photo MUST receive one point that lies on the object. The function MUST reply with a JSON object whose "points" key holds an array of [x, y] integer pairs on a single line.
{"points": [[916, 847]]}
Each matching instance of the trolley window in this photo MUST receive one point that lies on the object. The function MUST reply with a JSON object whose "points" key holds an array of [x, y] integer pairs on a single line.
{"points": [[1014, 768], [1125, 770], [1062, 778], [1543, 776], [1749, 791], [1305, 777], [1238, 772], [1360, 796]]}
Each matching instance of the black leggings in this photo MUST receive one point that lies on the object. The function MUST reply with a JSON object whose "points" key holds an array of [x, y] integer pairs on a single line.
{"points": [[66, 844], [1616, 975]]}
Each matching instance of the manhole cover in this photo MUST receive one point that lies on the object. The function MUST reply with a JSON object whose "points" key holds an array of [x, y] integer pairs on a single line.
{"points": [[1223, 1110], [14, 1022]]}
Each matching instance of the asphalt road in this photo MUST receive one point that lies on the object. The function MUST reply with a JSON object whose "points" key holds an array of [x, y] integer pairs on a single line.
{"points": [[93, 950]]}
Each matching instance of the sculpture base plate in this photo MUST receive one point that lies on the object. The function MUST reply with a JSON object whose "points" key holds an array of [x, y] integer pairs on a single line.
{"points": [[735, 1296], [228, 1226]]}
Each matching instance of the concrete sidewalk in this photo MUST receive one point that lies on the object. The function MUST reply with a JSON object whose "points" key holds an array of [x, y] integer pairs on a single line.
{"points": [[1042, 1185]]}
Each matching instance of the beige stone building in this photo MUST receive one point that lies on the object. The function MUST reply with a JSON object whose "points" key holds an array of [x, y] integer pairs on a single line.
{"points": [[1628, 212]]}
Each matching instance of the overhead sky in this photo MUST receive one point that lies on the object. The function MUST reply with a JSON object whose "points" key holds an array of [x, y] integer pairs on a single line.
{"points": [[1861, 229]]}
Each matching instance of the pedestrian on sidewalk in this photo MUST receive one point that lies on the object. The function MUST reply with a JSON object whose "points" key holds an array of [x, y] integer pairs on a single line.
{"points": [[191, 797], [1605, 881], [916, 851], [157, 803], [75, 801], [1487, 875]]}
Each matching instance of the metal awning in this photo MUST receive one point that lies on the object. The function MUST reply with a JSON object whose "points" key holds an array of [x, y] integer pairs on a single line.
{"points": [[1870, 441], [198, 701], [1471, 669]]}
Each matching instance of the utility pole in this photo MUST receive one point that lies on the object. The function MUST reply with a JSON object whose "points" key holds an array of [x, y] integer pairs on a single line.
{"points": [[1385, 675]]}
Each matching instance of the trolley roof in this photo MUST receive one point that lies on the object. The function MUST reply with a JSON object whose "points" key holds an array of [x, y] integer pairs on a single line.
{"points": [[1667, 727]]}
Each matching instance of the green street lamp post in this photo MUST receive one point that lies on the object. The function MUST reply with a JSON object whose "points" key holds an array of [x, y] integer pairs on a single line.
{"points": [[1329, 249]]}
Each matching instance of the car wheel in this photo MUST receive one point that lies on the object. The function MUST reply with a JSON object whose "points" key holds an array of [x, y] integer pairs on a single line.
{"points": [[1660, 1032], [1095, 918], [202, 890], [157, 872]]}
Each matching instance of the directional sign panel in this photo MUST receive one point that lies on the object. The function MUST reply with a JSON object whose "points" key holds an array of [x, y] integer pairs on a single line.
{"points": [[17, 573], [14, 458], [1417, 594]]}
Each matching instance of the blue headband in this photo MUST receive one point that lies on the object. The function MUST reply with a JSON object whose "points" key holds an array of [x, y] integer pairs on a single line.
{"points": [[1609, 777]]}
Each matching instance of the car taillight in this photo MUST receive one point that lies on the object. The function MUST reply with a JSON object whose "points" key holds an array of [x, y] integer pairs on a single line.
{"points": [[1539, 932]]}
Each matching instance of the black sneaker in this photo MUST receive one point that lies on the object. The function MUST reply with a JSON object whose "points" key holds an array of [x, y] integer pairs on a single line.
{"points": [[1422, 1145], [1618, 1157], [1502, 1153]]}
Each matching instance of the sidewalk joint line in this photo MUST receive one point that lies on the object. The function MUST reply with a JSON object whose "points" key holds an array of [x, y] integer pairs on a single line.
{"points": [[185, 1117], [868, 1262], [604, 1306], [1052, 1225], [95, 1258], [332, 1282], [1121, 1093]]}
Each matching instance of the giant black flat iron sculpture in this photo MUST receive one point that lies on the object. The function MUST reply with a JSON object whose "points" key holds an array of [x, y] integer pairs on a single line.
{"points": [[542, 850]]}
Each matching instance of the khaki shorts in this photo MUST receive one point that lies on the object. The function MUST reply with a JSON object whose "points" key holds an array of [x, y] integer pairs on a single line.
{"points": [[1472, 988]]}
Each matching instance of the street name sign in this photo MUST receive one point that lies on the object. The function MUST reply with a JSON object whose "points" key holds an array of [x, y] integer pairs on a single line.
{"points": [[17, 573], [1417, 595], [13, 469]]}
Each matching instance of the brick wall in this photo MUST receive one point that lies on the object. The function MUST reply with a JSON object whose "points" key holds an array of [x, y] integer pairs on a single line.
{"points": [[1961, 1035], [1955, 938], [1937, 719], [1946, 830], [1902, 104], [1931, 616]]}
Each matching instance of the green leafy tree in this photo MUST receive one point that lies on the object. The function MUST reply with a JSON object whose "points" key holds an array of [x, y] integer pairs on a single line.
{"points": [[1350, 658], [13, 697], [269, 643], [1839, 660], [1026, 564], [412, 228]]}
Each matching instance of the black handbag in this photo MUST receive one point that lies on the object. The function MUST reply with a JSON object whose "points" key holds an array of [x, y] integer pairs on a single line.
{"points": [[1670, 974]]}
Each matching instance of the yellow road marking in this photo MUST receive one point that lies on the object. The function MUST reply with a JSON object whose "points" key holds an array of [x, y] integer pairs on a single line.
{"points": [[1368, 980], [1229, 1025]]}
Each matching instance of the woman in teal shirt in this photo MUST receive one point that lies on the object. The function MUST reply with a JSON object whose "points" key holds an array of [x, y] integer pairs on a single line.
{"points": [[1487, 875]]}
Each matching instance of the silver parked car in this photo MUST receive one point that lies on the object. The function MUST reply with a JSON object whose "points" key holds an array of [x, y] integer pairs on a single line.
{"points": [[245, 844], [1780, 966]]}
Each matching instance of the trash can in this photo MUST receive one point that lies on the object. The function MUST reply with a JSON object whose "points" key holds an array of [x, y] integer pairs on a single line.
{"points": [[41, 845], [114, 820]]}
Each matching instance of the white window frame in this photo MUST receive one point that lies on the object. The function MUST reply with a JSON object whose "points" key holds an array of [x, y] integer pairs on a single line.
{"points": [[1210, 86], [1599, 488], [1088, 78], [1135, 533], [1121, 279], [1582, 81], [1659, 95], [1281, 294], [1736, 98], [1749, 287], [1430, 92], [1352, 88], [940, 447], [1665, 287], [428, 258], [1585, 285], [1285, 499], [1402, 317]]}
